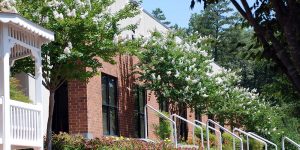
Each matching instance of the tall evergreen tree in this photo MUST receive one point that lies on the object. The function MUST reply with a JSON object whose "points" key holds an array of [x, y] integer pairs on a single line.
{"points": [[216, 20], [159, 14]]}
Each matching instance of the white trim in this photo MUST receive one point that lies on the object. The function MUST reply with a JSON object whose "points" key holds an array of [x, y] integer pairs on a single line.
{"points": [[22, 22]]}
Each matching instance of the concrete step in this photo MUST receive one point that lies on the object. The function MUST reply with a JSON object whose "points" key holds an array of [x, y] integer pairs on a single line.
{"points": [[188, 147]]}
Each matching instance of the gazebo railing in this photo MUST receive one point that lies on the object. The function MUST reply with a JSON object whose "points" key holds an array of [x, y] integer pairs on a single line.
{"points": [[25, 122]]}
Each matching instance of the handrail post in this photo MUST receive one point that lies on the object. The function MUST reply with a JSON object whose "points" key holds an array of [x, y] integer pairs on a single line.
{"points": [[162, 115], [209, 127], [146, 122], [207, 137], [174, 116]]}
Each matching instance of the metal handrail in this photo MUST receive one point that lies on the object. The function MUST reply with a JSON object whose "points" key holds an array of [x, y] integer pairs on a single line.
{"points": [[263, 139], [173, 124], [224, 129], [174, 116], [249, 135], [220, 134], [291, 141]]}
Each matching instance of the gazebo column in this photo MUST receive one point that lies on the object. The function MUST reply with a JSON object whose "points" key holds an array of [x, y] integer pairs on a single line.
{"points": [[38, 92], [5, 88], [38, 79]]}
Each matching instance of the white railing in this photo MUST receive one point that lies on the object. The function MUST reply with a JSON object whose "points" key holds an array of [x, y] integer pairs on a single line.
{"points": [[211, 128], [247, 136], [174, 116], [173, 124], [290, 141], [264, 139], [224, 129], [25, 122]]}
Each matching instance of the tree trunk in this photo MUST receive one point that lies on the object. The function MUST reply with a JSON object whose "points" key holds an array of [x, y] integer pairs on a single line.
{"points": [[49, 124]]}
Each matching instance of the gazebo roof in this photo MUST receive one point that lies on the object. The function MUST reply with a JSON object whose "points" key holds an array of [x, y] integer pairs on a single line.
{"points": [[20, 21]]}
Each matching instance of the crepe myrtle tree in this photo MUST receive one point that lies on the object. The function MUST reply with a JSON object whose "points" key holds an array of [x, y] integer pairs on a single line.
{"points": [[181, 71], [85, 33], [169, 67]]}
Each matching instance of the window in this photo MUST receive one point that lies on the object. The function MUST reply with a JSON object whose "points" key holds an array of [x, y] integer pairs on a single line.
{"points": [[109, 105], [164, 106], [140, 101], [198, 115]]}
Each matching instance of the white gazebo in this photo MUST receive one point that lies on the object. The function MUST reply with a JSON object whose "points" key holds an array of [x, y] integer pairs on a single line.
{"points": [[20, 123]]}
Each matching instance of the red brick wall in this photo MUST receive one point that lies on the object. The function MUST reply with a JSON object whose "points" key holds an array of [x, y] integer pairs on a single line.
{"points": [[77, 103], [94, 104]]}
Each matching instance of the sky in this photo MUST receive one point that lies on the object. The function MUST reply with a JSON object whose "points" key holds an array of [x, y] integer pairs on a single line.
{"points": [[176, 11]]}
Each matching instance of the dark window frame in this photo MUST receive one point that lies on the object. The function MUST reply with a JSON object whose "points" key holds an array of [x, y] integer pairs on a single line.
{"points": [[140, 113], [108, 106]]}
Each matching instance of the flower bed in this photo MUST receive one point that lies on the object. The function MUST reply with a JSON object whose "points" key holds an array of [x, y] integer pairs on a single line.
{"points": [[64, 141]]}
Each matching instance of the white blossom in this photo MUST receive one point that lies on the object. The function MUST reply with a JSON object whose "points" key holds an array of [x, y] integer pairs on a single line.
{"points": [[195, 81], [158, 77], [83, 16], [71, 13], [186, 88], [67, 50], [58, 15], [45, 19], [169, 72], [153, 76], [177, 74], [188, 78]]}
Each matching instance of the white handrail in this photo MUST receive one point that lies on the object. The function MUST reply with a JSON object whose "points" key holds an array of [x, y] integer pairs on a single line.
{"points": [[289, 140], [249, 135], [263, 139], [26, 105], [173, 124], [224, 129], [174, 116], [220, 134]]}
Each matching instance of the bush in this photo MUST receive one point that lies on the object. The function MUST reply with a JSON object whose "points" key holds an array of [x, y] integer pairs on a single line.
{"points": [[255, 144], [212, 137], [64, 141], [16, 92], [228, 141], [163, 129]]}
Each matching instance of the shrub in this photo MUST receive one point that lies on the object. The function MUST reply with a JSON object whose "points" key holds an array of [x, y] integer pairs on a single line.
{"points": [[64, 141], [163, 129], [255, 144], [228, 141], [16, 92], [212, 137]]}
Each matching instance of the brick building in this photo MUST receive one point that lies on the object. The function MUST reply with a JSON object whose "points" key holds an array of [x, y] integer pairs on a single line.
{"points": [[111, 103]]}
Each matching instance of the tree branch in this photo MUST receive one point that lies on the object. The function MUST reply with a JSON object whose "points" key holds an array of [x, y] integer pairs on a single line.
{"points": [[239, 8]]}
